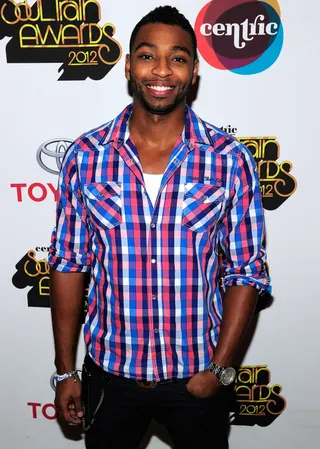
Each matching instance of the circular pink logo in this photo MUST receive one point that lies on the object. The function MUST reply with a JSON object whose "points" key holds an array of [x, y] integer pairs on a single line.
{"points": [[245, 37]]}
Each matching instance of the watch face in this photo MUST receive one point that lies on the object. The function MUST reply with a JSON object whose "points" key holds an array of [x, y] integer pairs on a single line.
{"points": [[228, 376]]}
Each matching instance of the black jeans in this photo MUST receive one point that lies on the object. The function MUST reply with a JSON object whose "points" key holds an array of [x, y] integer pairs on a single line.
{"points": [[118, 412]]}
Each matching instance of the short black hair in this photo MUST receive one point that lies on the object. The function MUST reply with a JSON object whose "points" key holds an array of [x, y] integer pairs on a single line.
{"points": [[168, 15]]}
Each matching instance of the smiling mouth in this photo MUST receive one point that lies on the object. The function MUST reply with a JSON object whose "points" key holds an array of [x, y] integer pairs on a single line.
{"points": [[160, 88]]}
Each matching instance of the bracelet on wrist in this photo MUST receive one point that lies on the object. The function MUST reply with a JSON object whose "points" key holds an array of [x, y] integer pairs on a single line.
{"points": [[61, 377]]}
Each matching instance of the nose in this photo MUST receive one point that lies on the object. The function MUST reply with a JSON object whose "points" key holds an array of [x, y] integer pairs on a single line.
{"points": [[162, 68]]}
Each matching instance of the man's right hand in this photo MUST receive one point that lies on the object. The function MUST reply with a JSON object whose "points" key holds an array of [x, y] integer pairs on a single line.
{"points": [[68, 400]]}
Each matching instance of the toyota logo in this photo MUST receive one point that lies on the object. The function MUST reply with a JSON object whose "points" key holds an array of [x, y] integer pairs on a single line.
{"points": [[50, 154]]}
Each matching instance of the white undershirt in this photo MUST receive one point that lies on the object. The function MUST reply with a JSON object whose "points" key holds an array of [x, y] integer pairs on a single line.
{"points": [[152, 183]]}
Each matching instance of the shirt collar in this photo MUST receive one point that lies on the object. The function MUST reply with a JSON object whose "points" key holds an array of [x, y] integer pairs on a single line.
{"points": [[195, 131], [118, 130]]}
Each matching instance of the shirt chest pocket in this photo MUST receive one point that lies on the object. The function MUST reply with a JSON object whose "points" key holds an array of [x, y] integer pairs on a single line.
{"points": [[104, 203], [202, 206]]}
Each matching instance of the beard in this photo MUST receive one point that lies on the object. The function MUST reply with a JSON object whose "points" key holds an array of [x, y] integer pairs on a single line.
{"points": [[158, 109]]}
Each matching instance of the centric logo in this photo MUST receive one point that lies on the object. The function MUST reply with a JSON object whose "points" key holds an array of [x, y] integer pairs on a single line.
{"points": [[245, 37], [51, 153]]}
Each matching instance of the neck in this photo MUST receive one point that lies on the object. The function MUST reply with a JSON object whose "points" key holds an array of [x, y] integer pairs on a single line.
{"points": [[156, 127]]}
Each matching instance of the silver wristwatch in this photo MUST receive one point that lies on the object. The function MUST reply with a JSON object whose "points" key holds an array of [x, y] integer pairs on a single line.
{"points": [[225, 376]]}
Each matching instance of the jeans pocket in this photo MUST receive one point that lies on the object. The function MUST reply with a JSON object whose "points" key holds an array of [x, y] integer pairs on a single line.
{"points": [[192, 396], [188, 392], [93, 392]]}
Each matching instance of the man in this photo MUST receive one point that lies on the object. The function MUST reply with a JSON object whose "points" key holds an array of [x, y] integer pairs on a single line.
{"points": [[146, 201]]}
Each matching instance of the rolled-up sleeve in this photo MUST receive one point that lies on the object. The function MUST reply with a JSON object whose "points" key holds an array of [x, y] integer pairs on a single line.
{"points": [[69, 250], [242, 232]]}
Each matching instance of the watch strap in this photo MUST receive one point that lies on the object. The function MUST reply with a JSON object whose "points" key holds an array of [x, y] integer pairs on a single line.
{"points": [[225, 375], [216, 369]]}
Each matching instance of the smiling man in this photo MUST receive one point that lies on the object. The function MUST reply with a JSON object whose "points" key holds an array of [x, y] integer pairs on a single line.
{"points": [[145, 203]]}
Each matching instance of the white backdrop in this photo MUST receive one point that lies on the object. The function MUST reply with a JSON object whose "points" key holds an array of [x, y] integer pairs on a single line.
{"points": [[282, 102]]}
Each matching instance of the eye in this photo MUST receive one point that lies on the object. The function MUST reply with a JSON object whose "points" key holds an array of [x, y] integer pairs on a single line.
{"points": [[179, 59], [145, 57]]}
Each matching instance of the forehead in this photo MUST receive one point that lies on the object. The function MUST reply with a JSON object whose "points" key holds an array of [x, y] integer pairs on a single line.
{"points": [[163, 36]]}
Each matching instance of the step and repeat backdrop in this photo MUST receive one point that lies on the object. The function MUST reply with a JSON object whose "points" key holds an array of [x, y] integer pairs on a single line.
{"points": [[62, 73]]}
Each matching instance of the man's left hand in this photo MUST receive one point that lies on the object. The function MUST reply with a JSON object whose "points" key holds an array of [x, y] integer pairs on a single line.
{"points": [[203, 384]]}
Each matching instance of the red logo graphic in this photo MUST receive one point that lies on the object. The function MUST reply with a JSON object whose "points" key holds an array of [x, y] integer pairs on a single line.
{"points": [[48, 411], [36, 191]]}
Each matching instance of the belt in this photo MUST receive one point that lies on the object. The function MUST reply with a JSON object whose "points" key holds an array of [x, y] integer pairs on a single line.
{"points": [[150, 384], [147, 384]]}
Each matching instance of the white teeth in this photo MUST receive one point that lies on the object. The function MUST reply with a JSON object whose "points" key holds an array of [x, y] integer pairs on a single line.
{"points": [[160, 88]]}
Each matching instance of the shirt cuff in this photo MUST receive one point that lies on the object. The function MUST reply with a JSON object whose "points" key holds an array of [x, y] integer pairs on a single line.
{"points": [[65, 266], [262, 284]]}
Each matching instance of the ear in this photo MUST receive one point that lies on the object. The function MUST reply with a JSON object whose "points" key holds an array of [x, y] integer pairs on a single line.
{"points": [[127, 67], [195, 71]]}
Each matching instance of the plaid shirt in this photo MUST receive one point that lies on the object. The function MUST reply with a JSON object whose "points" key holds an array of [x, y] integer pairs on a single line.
{"points": [[154, 303]]}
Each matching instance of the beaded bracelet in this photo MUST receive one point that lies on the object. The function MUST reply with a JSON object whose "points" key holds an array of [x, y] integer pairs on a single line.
{"points": [[61, 377]]}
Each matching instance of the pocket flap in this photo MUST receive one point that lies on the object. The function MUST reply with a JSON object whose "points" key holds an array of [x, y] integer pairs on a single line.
{"points": [[205, 193], [102, 191]]}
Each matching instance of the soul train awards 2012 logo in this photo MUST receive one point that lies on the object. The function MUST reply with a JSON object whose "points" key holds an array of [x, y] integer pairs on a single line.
{"points": [[276, 182], [256, 402], [245, 37], [35, 273], [55, 31]]}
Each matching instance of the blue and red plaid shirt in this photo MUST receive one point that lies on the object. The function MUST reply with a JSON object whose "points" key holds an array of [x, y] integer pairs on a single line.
{"points": [[154, 303]]}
